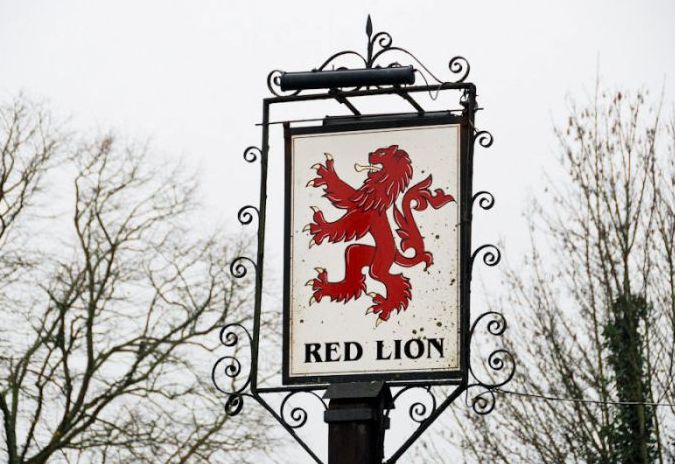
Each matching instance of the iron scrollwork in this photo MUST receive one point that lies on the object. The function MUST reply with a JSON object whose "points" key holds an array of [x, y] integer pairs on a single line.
{"points": [[232, 369], [252, 153], [485, 199], [484, 138], [231, 364], [378, 45], [490, 254], [229, 367], [245, 214], [274, 84], [500, 363], [297, 416], [239, 266], [419, 411]]}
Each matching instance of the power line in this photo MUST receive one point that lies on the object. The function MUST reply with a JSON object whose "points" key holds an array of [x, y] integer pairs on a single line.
{"points": [[576, 400]]}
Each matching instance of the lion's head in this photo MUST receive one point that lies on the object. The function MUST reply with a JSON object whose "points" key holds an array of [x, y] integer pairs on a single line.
{"points": [[389, 172]]}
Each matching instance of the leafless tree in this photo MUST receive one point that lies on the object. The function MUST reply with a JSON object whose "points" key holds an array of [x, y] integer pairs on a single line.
{"points": [[109, 309], [592, 307]]}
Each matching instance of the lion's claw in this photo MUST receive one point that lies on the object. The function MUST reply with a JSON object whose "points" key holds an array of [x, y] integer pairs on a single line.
{"points": [[318, 284], [381, 307], [316, 228], [325, 174]]}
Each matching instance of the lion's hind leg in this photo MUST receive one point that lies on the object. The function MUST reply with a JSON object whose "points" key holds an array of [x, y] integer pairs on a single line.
{"points": [[398, 294], [354, 283]]}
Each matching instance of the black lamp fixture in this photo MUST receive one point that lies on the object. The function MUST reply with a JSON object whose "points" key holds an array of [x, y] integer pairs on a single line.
{"points": [[304, 80]]}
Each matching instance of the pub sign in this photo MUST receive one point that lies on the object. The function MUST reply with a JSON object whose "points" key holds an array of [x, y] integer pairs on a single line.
{"points": [[373, 267]]}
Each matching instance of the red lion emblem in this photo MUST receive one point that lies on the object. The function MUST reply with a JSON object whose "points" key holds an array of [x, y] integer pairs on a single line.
{"points": [[389, 173]]}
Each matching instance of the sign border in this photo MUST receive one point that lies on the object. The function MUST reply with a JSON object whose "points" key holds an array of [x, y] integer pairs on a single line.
{"points": [[389, 121]]}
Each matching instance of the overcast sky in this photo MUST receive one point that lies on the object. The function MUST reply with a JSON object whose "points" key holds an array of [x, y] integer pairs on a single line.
{"points": [[190, 75]]}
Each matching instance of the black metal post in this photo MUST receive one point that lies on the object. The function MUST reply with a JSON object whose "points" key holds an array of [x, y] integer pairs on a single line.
{"points": [[357, 421]]}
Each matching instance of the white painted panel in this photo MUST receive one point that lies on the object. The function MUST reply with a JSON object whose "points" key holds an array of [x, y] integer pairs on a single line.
{"points": [[319, 331]]}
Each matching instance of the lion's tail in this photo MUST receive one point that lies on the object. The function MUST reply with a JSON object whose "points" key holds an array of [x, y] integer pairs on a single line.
{"points": [[408, 231]]}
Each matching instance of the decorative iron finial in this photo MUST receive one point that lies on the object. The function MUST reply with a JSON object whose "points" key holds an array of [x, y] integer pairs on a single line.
{"points": [[379, 46]]}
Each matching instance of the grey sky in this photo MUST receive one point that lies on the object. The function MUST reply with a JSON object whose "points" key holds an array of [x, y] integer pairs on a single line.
{"points": [[190, 74]]}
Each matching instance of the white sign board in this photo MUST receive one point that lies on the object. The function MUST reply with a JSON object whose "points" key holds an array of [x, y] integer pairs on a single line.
{"points": [[372, 276]]}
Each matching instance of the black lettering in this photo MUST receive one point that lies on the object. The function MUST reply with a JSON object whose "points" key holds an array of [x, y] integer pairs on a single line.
{"points": [[418, 352], [348, 351], [312, 351], [397, 349], [331, 349], [436, 343], [380, 351]]}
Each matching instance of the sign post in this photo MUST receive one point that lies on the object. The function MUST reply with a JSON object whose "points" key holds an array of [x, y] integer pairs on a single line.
{"points": [[377, 256], [357, 420]]}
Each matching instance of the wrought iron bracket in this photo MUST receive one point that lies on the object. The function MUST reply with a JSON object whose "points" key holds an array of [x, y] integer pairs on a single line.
{"points": [[339, 96], [406, 96]]}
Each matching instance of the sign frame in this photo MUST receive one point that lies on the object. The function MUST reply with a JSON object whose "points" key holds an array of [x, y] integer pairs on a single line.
{"points": [[391, 121]]}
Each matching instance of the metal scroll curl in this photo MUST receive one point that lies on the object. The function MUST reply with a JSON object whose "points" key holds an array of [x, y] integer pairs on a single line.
{"points": [[295, 417], [274, 84], [227, 374], [484, 138], [501, 367], [490, 254], [484, 402], [485, 199], [239, 266], [245, 214], [378, 45], [420, 411], [252, 154]]}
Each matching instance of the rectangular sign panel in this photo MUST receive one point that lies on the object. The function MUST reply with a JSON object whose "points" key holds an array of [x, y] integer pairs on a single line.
{"points": [[372, 251]]}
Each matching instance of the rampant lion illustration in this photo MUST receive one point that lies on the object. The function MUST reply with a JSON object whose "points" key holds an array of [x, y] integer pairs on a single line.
{"points": [[388, 174]]}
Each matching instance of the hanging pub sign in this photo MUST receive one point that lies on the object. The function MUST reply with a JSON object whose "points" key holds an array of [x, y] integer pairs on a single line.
{"points": [[373, 267], [378, 255]]}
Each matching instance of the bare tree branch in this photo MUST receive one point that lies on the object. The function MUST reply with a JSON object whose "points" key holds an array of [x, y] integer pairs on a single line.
{"points": [[112, 357], [593, 301]]}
